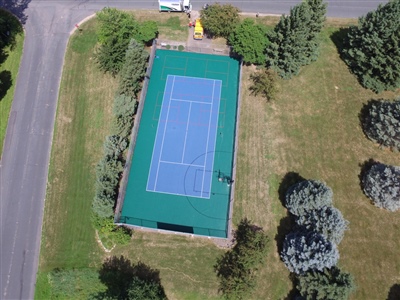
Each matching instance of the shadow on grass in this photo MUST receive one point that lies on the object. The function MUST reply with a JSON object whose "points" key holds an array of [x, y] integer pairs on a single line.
{"points": [[287, 181], [338, 38], [394, 292], [5, 83], [365, 167], [120, 277], [293, 293]]}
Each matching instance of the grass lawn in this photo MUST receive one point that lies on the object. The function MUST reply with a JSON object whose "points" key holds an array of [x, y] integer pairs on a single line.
{"points": [[9, 71], [312, 128]]}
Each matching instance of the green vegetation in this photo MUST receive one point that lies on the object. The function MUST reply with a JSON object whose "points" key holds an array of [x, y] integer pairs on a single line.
{"points": [[236, 269], [371, 49], [312, 130], [10, 55], [294, 42], [331, 284], [249, 41], [264, 84], [219, 20]]}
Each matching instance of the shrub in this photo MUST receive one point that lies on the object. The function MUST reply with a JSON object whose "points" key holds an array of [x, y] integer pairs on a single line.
{"points": [[264, 83], [371, 49], [330, 284], [381, 123], [305, 251], [307, 195], [325, 220], [381, 183]]}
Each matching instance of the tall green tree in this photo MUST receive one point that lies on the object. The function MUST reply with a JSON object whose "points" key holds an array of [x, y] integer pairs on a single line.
{"points": [[133, 70], [219, 20], [236, 268], [330, 284], [294, 40], [372, 49], [381, 122], [249, 41]]}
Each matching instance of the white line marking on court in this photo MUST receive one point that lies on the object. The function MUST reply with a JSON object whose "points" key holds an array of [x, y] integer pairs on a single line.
{"points": [[191, 101], [204, 79], [183, 195], [163, 138], [183, 164], [155, 141], [208, 138], [187, 128]]}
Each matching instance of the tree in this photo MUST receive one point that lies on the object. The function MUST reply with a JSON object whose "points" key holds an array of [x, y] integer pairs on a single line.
{"points": [[264, 83], [249, 41], [294, 40], [325, 220], [372, 49], [236, 268], [142, 290], [133, 70], [219, 20], [116, 28], [307, 195], [330, 284], [148, 31], [381, 122], [123, 109], [381, 183], [305, 251]]}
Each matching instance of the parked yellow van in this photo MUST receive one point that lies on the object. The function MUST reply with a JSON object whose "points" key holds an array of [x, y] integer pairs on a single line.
{"points": [[198, 30]]}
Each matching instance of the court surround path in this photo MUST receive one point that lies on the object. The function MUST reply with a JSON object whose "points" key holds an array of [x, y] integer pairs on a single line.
{"points": [[25, 158]]}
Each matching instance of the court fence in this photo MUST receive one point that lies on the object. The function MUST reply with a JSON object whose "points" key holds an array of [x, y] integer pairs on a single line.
{"points": [[235, 151], [135, 129], [181, 46]]}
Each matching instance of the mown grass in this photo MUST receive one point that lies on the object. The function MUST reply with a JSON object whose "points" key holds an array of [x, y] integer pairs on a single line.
{"points": [[312, 128], [9, 67]]}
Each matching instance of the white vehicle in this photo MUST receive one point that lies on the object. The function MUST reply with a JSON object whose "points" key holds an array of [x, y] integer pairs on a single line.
{"points": [[175, 5]]}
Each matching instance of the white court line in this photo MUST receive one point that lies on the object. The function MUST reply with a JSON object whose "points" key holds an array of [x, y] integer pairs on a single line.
{"points": [[163, 138], [155, 143], [187, 127], [183, 164], [191, 101], [208, 138], [176, 194], [204, 79]]}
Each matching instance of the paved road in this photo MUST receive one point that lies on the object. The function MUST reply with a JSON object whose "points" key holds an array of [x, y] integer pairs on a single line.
{"points": [[24, 164]]}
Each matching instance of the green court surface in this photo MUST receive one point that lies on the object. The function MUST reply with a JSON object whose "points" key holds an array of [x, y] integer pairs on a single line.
{"points": [[187, 214]]}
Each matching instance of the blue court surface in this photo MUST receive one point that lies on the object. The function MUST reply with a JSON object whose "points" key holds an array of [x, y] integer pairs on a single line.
{"points": [[183, 154]]}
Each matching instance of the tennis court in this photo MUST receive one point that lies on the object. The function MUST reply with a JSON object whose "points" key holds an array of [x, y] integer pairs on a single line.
{"points": [[182, 162], [183, 155]]}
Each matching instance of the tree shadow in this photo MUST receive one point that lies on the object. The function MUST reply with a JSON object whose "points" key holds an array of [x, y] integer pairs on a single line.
{"points": [[5, 83], [16, 7], [394, 292], [287, 181], [285, 226], [293, 293], [118, 274], [338, 38], [365, 167]]}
